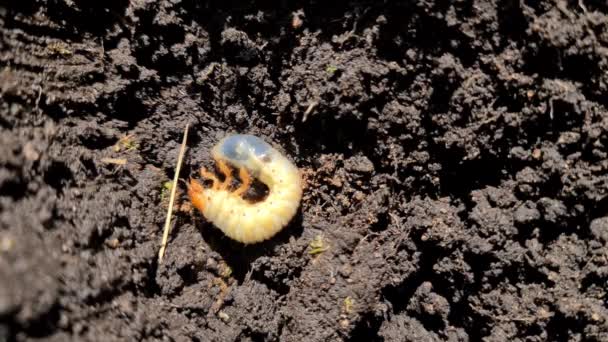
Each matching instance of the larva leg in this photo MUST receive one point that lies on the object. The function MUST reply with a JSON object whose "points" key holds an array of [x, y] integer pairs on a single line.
{"points": [[194, 186], [225, 170], [208, 175], [245, 182], [195, 190]]}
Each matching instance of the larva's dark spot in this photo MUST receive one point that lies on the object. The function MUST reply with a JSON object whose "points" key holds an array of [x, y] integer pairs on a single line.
{"points": [[208, 198], [266, 158]]}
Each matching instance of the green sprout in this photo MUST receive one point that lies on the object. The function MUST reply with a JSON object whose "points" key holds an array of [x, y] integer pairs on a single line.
{"points": [[349, 303], [331, 69], [166, 190], [225, 271], [317, 245]]}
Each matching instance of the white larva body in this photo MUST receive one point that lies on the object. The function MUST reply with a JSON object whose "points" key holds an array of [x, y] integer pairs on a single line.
{"points": [[242, 220]]}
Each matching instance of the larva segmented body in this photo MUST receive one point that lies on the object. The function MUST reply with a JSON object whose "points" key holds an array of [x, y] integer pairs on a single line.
{"points": [[238, 218]]}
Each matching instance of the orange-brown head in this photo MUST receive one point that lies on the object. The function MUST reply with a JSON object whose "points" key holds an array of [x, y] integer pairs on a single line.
{"points": [[197, 197]]}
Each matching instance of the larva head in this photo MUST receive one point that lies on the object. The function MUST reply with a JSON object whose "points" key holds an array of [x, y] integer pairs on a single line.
{"points": [[196, 194], [244, 151]]}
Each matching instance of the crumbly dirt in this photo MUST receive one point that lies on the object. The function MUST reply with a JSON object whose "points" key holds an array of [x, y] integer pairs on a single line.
{"points": [[456, 158]]}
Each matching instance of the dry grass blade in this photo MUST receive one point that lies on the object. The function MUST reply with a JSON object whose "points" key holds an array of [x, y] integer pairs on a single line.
{"points": [[117, 161], [180, 158]]}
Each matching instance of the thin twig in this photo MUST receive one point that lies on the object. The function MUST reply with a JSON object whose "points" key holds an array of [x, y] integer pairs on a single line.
{"points": [[117, 161], [182, 151], [311, 106]]}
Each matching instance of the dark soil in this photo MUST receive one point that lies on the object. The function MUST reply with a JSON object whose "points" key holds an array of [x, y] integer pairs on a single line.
{"points": [[456, 158]]}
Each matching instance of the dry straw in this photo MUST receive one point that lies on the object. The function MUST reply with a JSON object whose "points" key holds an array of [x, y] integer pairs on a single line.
{"points": [[180, 158]]}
